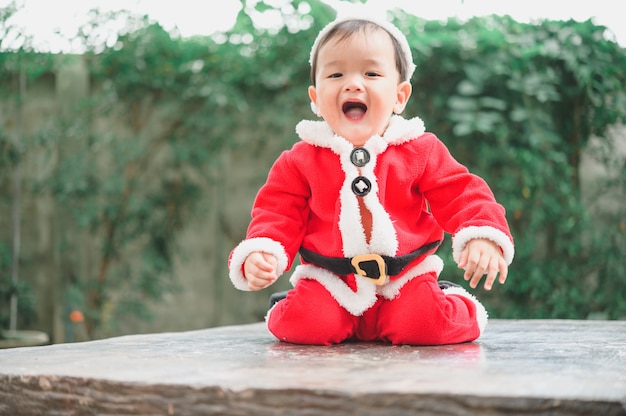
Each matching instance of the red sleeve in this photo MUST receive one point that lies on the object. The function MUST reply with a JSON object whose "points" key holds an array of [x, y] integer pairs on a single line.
{"points": [[281, 208], [459, 200]]}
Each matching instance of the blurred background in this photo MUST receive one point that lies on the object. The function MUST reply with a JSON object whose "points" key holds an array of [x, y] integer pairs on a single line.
{"points": [[134, 136]]}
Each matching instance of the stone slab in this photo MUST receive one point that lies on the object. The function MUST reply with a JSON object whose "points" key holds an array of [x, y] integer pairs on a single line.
{"points": [[539, 367]]}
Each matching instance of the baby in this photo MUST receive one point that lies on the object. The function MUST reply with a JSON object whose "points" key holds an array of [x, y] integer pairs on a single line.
{"points": [[365, 198]]}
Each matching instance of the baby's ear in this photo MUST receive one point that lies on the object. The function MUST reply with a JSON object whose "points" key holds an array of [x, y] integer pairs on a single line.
{"points": [[313, 97], [402, 96]]}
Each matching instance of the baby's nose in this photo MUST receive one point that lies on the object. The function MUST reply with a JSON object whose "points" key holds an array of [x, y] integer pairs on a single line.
{"points": [[353, 83]]}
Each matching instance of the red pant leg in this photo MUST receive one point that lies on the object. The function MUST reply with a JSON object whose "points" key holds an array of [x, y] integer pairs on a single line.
{"points": [[310, 315], [423, 315]]}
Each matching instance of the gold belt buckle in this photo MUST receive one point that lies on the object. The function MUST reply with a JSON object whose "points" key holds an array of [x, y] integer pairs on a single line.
{"points": [[382, 267]]}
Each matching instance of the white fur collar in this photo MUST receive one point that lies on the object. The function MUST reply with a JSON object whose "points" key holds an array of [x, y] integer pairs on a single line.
{"points": [[319, 133]]}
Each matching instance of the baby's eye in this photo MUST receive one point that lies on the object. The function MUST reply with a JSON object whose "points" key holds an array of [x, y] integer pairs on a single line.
{"points": [[372, 74], [335, 75]]}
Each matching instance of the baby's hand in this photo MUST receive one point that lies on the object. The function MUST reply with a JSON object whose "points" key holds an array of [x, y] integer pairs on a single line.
{"points": [[260, 270], [482, 256]]}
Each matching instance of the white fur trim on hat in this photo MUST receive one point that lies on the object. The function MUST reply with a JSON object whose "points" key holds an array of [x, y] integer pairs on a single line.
{"points": [[244, 249], [385, 24], [315, 109]]}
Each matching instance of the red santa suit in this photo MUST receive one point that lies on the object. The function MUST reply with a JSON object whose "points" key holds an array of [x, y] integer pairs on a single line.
{"points": [[413, 191]]}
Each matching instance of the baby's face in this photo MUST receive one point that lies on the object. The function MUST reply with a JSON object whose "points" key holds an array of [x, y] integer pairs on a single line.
{"points": [[358, 86]]}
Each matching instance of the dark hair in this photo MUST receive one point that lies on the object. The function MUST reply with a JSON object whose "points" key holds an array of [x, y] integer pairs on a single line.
{"points": [[348, 28]]}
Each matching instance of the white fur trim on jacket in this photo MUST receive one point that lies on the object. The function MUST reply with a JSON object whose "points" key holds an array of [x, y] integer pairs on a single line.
{"points": [[354, 302], [460, 239], [243, 250], [481, 313], [399, 131], [357, 302], [391, 290]]}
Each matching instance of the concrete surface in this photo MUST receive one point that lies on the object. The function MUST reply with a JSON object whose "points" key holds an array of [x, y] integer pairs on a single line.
{"points": [[529, 367]]}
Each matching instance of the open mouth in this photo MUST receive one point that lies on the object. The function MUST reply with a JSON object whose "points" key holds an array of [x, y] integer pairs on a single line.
{"points": [[354, 110]]}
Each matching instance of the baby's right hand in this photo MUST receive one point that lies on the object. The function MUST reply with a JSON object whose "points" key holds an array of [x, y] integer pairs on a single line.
{"points": [[260, 270]]}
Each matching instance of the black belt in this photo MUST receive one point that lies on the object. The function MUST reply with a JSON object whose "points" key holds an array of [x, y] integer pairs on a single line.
{"points": [[372, 266]]}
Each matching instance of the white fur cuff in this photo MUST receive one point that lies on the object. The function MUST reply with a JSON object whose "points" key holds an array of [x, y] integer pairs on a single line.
{"points": [[243, 250], [481, 312], [460, 239]]}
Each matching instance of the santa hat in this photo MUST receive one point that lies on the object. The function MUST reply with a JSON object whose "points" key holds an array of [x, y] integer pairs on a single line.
{"points": [[382, 23]]}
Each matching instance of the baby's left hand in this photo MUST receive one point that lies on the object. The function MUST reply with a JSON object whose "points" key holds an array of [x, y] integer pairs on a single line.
{"points": [[482, 256]]}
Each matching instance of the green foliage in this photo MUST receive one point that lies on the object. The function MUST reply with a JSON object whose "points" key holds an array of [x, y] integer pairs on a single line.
{"points": [[516, 103], [17, 67], [7, 31], [179, 102], [22, 289]]}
